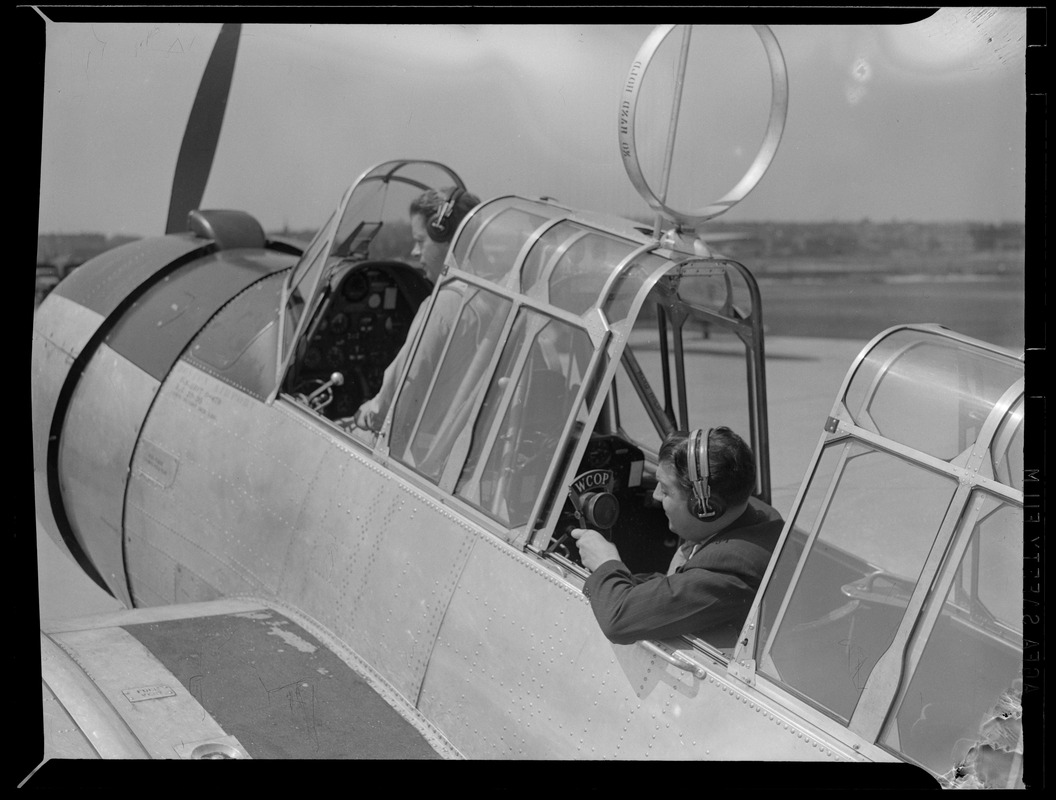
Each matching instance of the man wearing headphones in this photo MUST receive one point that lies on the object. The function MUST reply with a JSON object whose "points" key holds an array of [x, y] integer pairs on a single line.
{"points": [[704, 483], [435, 215]]}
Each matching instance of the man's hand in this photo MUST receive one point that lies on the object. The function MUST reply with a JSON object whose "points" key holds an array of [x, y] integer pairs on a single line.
{"points": [[594, 549]]}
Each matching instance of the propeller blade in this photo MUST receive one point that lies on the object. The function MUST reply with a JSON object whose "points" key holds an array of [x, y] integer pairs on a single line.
{"points": [[203, 130]]}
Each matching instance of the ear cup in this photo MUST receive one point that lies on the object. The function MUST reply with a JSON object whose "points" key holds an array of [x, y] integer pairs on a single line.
{"points": [[711, 511], [702, 506], [442, 225]]}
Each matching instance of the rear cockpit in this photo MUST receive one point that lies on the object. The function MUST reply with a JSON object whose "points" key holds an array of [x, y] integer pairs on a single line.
{"points": [[895, 603]]}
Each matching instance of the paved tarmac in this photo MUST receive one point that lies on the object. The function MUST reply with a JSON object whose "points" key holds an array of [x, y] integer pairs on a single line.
{"points": [[803, 376]]}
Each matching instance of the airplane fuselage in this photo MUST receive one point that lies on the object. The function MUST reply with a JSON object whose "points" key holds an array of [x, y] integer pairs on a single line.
{"points": [[183, 486], [189, 394]]}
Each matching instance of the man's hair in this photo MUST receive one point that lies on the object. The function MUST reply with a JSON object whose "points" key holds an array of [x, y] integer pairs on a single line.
{"points": [[730, 464], [428, 203]]}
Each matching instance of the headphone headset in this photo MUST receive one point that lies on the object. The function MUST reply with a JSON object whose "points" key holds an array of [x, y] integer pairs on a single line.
{"points": [[441, 227], [697, 447]]}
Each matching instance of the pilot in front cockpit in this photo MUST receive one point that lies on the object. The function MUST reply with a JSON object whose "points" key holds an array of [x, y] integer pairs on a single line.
{"points": [[435, 216], [704, 483]]}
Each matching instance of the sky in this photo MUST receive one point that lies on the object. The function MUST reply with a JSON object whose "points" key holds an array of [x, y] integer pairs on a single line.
{"points": [[922, 122]]}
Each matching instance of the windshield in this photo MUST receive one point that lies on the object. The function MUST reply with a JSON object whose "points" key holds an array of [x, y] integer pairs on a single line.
{"points": [[371, 223]]}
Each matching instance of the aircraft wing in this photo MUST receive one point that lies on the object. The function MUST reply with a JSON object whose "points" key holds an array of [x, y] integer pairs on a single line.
{"points": [[231, 678]]}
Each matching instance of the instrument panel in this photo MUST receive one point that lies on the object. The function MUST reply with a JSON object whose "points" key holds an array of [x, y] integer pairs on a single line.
{"points": [[360, 330], [615, 466]]}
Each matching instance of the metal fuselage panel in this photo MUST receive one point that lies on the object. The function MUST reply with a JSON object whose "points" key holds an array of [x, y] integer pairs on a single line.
{"points": [[502, 655], [107, 281], [107, 408], [216, 486], [282, 508], [521, 670], [61, 329], [103, 341], [375, 561], [169, 313]]}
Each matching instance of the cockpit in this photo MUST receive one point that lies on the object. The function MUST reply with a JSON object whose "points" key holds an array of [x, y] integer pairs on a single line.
{"points": [[352, 297], [551, 354], [573, 364], [556, 352]]}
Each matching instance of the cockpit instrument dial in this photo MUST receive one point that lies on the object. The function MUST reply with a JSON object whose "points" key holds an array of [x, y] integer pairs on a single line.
{"points": [[355, 287]]}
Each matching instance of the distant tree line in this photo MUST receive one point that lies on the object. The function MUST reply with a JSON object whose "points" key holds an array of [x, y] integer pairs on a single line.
{"points": [[829, 239], [64, 251], [759, 238]]}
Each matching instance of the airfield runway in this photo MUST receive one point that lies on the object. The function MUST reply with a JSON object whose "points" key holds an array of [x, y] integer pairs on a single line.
{"points": [[803, 376]]}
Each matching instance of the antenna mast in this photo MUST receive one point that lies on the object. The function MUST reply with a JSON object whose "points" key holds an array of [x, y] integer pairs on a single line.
{"points": [[672, 130], [689, 220]]}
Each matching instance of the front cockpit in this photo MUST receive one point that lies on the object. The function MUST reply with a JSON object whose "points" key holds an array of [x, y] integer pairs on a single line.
{"points": [[367, 316], [351, 299], [556, 343]]}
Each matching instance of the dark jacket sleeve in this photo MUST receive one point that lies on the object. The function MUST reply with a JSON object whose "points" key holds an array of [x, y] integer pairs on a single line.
{"points": [[713, 590], [628, 608]]}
